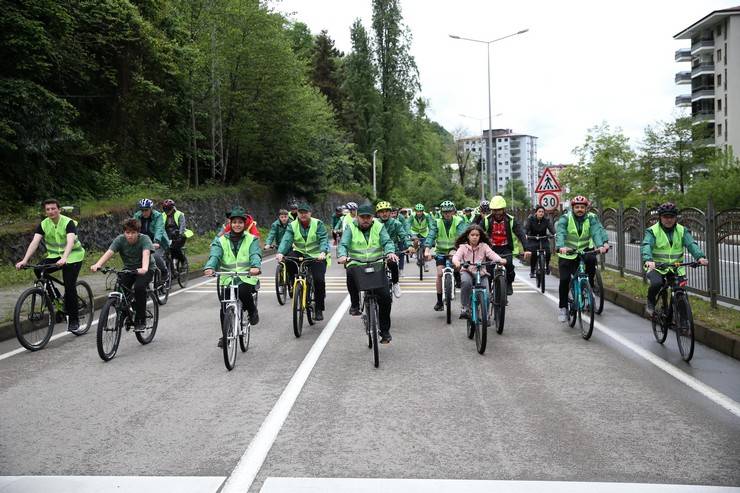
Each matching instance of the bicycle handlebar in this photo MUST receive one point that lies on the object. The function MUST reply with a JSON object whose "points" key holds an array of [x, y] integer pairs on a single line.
{"points": [[232, 274], [480, 264], [693, 264], [546, 237], [40, 266], [106, 270]]}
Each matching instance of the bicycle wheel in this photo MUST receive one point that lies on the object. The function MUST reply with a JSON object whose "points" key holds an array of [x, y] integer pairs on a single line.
{"points": [[281, 288], [500, 303], [598, 292], [160, 288], [298, 309], [481, 329], [572, 305], [244, 336], [684, 322], [33, 319], [659, 319], [372, 323], [309, 302], [183, 273], [228, 331], [152, 321], [109, 329], [541, 271], [420, 263], [587, 307], [447, 282], [470, 325], [85, 307]]}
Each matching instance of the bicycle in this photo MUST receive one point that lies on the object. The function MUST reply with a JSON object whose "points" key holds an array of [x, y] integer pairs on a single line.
{"points": [[478, 319], [498, 298], [281, 283], [235, 325], [581, 296], [448, 285], [418, 246], [179, 270], [367, 277], [121, 303], [541, 260], [676, 312], [162, 283], [38, 308], [303, 303]]}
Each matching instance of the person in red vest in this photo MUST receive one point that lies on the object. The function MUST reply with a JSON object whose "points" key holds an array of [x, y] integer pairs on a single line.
{"points": [[250, 226]]}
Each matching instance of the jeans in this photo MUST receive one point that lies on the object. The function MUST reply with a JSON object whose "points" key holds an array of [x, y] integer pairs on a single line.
{"points": [[466, 286]]}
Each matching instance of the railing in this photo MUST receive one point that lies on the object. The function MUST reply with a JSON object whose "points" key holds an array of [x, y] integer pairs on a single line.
{"points": [[703, 67], [702, 44]]}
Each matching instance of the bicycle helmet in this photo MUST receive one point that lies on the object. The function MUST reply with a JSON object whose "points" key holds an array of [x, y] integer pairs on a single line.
{"points": [[419, 207], [352, 206], [498, 202], [468, 209], [447, 206], [668, 209], [484, 206], [292, 206], [146, 204], [579, 199], [383, 206], [338, 208], [168, 204]]}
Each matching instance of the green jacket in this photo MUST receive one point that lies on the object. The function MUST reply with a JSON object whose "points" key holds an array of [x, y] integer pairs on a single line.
{"points": [[397, 232], [648, 242], [217, 253], [157, 232], [286, 245], [431, 239], [277, 231], [385, 241], [598, 233], [336, 221], [410, 222]]}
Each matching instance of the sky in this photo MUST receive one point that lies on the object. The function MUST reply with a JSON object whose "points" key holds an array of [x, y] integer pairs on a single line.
{"points": [[581, 63]]}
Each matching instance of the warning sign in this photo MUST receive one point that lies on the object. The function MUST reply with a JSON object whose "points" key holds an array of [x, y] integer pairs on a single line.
{"points": [[547, 183]]}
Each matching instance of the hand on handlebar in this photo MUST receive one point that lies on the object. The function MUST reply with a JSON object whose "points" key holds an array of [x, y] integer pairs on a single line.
{"points": [[208, 272], [141, 271], [427, 254], [527, 254], [279, 257], [564, 250], [703, 261], [650, 265], [604, 248], [21, 264], [342, 260], [392, 257], [322, 256]]}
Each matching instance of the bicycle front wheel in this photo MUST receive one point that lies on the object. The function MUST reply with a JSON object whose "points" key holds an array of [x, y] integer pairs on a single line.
{"points": [[499, 311], [151, 322], [33, 319], [85, 307], [161, 287], [598, 291], [659, 319], [109, 329], [298, 309], [481, 328], [470, 325], [183, 273], [541, 271], [420, 262], [281, 287], [572, 303], [684, 322], [244, 337], [228, 331], [447, 280], [309, 302], [587, 308], [372, 323]]}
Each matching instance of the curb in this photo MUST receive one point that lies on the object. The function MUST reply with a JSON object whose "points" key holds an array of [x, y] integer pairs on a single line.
{"points": [[724, 343]]}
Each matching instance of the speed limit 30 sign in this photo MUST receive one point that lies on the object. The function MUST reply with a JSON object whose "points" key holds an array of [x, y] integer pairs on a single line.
{"points": [[549, 200]]}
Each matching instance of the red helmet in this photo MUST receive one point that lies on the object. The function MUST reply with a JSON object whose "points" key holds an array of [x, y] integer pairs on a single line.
{"points": [[168, 204], [579, 199]]}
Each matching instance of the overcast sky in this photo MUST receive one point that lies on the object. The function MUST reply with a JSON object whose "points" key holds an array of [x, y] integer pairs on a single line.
{"points": [[581, 63]]}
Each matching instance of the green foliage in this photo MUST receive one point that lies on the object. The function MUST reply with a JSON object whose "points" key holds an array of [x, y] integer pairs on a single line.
{"points": [[521, 199], [721, 183]]}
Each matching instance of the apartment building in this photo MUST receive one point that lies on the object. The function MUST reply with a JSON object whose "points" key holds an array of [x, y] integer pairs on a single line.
{"points": [[515, 158]]}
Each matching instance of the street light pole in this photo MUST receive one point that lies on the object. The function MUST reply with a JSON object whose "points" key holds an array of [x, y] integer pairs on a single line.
{"points": [[375, 189]]}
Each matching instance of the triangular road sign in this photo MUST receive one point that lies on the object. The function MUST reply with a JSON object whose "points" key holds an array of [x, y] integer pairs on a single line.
{"points": [[547, 183]]}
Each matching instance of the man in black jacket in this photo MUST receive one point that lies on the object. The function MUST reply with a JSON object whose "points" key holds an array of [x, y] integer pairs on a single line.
{"points": [[538, 225]]}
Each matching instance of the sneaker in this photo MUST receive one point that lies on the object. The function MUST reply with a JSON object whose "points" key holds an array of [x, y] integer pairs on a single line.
{"points": [[438, 307], [73, 325], [254, 318], [139, 327], [426, 268], [531, 275], [220, 342], [562, 314], [464, 313], [354, 311], [547, 270], [397, 290], [509, 290], [650, 310], [385, 338], [318, 315]]}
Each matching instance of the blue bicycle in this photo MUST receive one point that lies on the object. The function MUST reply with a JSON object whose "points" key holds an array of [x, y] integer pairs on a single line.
{"points": [[581, 297], [478, 319]]}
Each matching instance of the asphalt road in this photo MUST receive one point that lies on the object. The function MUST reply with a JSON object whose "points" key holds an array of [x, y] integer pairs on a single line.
{"points": [[542, 404]]}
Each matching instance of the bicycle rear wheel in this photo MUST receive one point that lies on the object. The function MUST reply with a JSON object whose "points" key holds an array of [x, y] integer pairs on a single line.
{"points": [[499, 311], [161, 287], [228, 331], [372, 323], [109, 329], [281, 288], [541, 271], [33, 319], [587, 307], [598, 292], [151, 322], [447, 281], [481, 328], [659, 319], [85, 307], [183, 273], [684, 323], [298, 309]]}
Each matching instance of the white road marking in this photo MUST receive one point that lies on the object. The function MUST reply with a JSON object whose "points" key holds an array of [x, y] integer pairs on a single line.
{"points": [[119, 484], [709, 392], [246, 470]]}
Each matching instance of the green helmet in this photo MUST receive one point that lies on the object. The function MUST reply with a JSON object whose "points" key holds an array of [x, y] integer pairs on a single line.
{"points": [[419, 207], [447, 206]]}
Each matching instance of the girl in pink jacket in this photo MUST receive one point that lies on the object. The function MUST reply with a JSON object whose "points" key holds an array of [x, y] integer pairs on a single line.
{"points": [[472, 246]]}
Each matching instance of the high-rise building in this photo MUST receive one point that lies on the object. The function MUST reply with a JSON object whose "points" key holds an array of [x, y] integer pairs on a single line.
{"points": [[714, 78], [515, 158]]}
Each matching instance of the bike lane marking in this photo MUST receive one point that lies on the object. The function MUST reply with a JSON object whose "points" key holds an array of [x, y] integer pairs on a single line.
{"points": [[243, 475], [709, 392]]}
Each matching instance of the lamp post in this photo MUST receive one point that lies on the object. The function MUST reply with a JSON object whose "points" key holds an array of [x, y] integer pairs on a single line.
{"points": [[489, 147], [375, 189]]}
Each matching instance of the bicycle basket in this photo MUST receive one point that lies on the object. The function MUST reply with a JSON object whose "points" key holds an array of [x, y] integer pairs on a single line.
{"points": [[368, 277]]}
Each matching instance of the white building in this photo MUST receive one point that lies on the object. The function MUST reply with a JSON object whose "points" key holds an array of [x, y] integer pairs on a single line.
{"points": [[515, 158]]}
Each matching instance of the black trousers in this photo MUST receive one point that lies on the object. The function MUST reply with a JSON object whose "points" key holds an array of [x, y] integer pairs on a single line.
{"points": [[567, 268], [505, 252], [176, 248], [385, 302], [393, 267], [318, 271], [70, 272], [245, 295], [140, 284], [533, 259]]}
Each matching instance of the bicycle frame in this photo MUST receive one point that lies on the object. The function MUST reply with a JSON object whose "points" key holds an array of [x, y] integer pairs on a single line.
{"points": [[479, 289], [302, 276]]}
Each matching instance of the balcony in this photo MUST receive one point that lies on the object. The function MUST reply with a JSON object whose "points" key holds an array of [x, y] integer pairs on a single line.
{"points": [[702, 69], [702, 46], [702, 117], [683, 55], [683, 100], [705, 93], [683, 77], [704, 142]]}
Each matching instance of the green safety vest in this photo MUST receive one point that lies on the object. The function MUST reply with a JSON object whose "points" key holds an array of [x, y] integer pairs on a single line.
{"points": [[573, 240], [446, 238], [308, 246], [238, 263], [55, 239], [365, 249], [420, 228], [665, 252], [178, 215]]}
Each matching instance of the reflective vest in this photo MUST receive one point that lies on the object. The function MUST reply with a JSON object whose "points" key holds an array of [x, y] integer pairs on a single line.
{"points": [[55, 239], [665, 252], [365, 249], [177, 216], [420, 228], [516, 245], [574, 241], [446, 237], [308, 246], [238, 263]]}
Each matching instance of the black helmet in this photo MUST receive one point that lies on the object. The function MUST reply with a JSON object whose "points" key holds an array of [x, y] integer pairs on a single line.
{"points": [[668, 209]]}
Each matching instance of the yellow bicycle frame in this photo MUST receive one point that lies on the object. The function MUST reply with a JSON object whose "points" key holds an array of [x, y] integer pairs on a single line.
{"points": [[303, 292]]}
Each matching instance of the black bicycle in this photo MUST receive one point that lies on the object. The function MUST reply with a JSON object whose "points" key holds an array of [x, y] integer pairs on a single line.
{"points": [[118, 313], [673, 310], [179, 269], [541, 268], [40, 307], [498, 299], [368, 276], [162, 281]]}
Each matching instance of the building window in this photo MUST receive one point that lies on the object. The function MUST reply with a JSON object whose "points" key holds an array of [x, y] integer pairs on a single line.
{"points": [[719, 30], [719, 105], [719, 56], [726, 109], [719, 80], [719, 130]]}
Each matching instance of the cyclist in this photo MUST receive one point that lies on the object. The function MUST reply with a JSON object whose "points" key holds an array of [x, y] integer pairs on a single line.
{"points": [[152, 225], [403, 219], [394, 213], [64, 249], [418, 228], [577, 230], [467, 215], [472, 246], [664, 242], [506, 237], [174, 226], [278, 229], [351, 214], [367, 239], [135, 249], [398, 235], [307, 237], [250, 226], [538, 225], [293, 214], [436, 214], [237, 251], [443, 234], [483, 216], [336, 224]]}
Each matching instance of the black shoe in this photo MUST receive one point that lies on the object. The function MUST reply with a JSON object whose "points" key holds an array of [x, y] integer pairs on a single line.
{"points": [[547, 270], [140, 327], [318, 315], [531, 275], [254, 318], [438, 307], [509, 290], [354, 311], [220, 342], [385, 338], [73, 325], [464, 313]]}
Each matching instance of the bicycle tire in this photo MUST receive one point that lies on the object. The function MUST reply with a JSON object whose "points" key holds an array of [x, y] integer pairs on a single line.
{"points": [[470, 326], [309, 302], [108, 335], [229, 341], [500, 308], [420, 263], [298, 309], [280, 287], [481, 329], [447, 281], [25, 331], [572, 308], [372, 321], [598, 293], [183, 273], [684, 325], [659, 320], [152, 322], [244, 337], [85, 306], [587, 307], [160, 288], [541, 272]]}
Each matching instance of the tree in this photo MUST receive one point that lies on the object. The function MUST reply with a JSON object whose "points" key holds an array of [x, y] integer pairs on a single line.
{"points": [[324, 72], [464, 158], [521, 199]]}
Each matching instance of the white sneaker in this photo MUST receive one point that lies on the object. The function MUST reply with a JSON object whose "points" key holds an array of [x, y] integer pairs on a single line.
{"points": [[397, 290], [562, 314]]}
